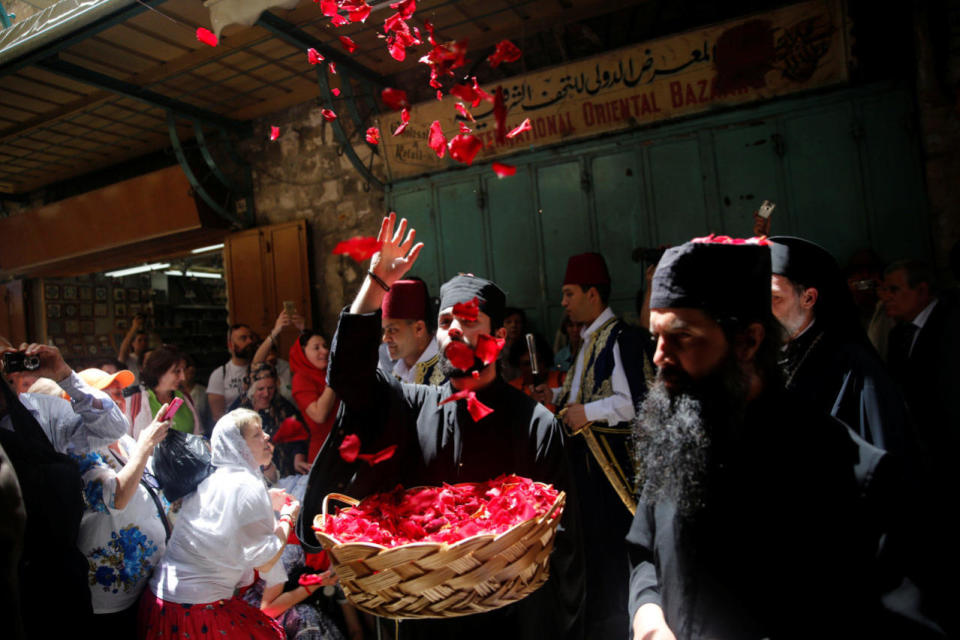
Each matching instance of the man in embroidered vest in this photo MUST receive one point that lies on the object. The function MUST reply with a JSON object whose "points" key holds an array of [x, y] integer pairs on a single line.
{"points": [[409, 333], [599, 394], [828, 360]]}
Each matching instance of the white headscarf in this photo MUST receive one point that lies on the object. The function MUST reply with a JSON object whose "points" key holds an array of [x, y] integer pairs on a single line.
{"points": [[228, 446]]}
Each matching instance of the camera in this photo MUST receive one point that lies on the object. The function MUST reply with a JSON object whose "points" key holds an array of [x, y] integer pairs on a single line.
{"points": [[14, 361]]}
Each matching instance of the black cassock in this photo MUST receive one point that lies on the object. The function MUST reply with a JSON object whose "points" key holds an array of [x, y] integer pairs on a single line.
{"points": [[437, 444], [785, 544]]}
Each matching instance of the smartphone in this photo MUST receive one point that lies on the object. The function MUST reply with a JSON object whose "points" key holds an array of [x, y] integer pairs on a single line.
{"points": [[289, 307], [172, 409], [766, 209]]}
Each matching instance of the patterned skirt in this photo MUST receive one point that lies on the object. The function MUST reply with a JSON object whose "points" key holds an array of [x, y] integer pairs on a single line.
{"points": [[231, 618]]}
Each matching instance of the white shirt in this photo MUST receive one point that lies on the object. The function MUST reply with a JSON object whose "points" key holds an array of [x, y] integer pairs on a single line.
{"points": [[77, 426], [919, 321], [227, 381], [405, 373], [612, 409]]}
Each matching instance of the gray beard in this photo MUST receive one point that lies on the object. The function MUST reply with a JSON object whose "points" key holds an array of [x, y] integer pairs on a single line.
{"points": [[676, 433]]}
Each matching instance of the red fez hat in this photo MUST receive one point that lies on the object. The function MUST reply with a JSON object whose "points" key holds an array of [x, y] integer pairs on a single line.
{"points": [[406, 300], [587, 268]]}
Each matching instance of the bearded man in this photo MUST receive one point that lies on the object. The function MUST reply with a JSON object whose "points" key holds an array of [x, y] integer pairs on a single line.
{"points": [[750, 522], [226, 381], [446, 433]]}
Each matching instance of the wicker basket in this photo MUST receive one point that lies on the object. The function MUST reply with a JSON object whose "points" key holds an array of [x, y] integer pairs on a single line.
{"points": [[441, 580]]}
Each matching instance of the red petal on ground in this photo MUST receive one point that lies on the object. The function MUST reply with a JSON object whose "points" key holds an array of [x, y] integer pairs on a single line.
{"points": [[463, 148], [359, 248], [274, 133], [328, 114], [460, 355], [405, 8], [505, 51], [395, 99], [348, 44], [488, 347], [504, 170], [313, 57], [379, 456], [500, 117], [350, 448], [373, 135], [467, 311], [462, 110], [437, 141], [524, 126], [206, 36]]}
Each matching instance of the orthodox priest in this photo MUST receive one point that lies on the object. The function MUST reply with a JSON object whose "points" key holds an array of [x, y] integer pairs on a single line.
{"points": [[472, 428]]}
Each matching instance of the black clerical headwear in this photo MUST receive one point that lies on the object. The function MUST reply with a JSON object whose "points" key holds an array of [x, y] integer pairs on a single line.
{"points": [[465, 287], [719, 275]]}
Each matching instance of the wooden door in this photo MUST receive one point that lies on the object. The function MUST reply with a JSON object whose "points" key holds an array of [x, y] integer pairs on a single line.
{"points": [[264, 267], [13, 321]]}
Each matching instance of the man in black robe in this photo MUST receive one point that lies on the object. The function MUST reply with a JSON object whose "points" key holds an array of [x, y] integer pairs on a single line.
{"points": [[828, 360], [449, 441], [750, 522]]}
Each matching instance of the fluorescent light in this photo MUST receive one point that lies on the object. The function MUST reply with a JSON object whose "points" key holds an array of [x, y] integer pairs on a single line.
{"points": [[212, 247], [193, 274], [141, 269]]}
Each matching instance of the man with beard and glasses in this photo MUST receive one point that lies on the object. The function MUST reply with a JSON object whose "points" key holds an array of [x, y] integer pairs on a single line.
{"points": [[226, 381], [750, 522], [828, 360], [447, 434]]}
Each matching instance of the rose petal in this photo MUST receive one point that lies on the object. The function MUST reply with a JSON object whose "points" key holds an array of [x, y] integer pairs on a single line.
{"points": [[439, 94], [274, 133], [350, 448], [328, 8], [317, 561], [437, 141], [460, 355], [348, 44], [338, 20], [500, 116], [359, 248], [464, 128], [378, 457], [313, 57], [290, 430], [523, 126], [405, 8], [373, 135], [504, 170], [335, 92], [309, 579], [505, 51], [467, 311], [394, 99], [488, 348], [206, 36], [464, 147], [328, 114], [462, 110], [361, 14], [333, 67]]}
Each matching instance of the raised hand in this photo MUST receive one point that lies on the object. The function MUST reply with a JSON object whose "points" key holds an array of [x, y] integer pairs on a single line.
{"points": [[397, 254]]}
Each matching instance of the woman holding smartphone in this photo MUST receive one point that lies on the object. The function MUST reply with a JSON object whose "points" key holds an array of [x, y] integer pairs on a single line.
{"points": [[160, 379]]}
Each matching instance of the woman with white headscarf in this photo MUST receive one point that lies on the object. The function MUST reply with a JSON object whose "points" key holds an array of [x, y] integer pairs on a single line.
{"points": [[225, 531]]}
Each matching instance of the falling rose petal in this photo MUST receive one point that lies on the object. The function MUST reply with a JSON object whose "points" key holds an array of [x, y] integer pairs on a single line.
{"points": [[379, 456], [338, 20], [464, 148], [460, 355], [462, 110], [505, 51], [475, 374], [464, 128], [400, 129], [333, 67], [467, 311], [396, 49], [328, 114], [313, 57], [350, 448], [405, 8], [335, 92], [500, 117], [439, 94], [348, 44], [206, 36], [483, 95], [328, 8], [274, 133], [395, 99], [504, 170], [359, 248], [404, 121], [488, 348], [437, 141], [395, 23], [361, 14], [430, 37], [309, 579], [524, 126], [290, 430], [478, 411], [373, 135]]}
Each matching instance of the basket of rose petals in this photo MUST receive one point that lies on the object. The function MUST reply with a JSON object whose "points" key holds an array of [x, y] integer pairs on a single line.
{"points": [[440, 552]]}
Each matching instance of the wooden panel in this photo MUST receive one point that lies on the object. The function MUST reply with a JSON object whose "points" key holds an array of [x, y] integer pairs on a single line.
{"points": [[13, 321], [248, 299], [289, 266]]}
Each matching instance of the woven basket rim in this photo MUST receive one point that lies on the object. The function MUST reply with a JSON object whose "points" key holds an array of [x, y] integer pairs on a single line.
{"points": [[559, 500]]}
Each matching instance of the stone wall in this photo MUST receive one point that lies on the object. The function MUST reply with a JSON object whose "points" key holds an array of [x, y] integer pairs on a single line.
{"points": [[301, 176]]}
